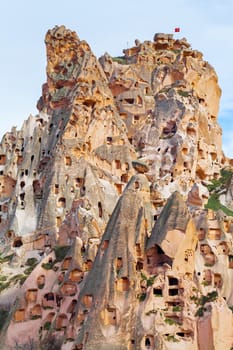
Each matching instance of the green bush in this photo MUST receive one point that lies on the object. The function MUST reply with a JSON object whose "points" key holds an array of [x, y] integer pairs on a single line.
{"points": [[3, 278], [31, 262], [142, 297], [172, 338], [119, 59], [35, 317], [47, 326], [231, 308], [6, 258], [222, 183], [206, 283], [48, 265], [29, 270], [217, 187], [61, 251], [17, 278], [214, 204], [177, 308], [200, 311], [22, 280], [4, 285], [153, 311], [143, 276], [209, 264], [150, 281], [170, 321], [211, 296], [183, 93]]}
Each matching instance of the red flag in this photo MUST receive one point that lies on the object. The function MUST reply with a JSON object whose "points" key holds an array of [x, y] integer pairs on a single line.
{"points": [[177, 30]]}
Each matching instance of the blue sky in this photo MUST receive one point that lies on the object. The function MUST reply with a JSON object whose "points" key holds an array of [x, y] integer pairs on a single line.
{"points": [[107, 26]]}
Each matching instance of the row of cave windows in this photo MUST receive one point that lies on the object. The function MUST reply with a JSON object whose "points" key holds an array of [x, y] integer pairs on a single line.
{"points": [[87, 300], [70, 289], [214, 233], [75, 275], [19, 162], [139, 264], [210, 258], [62, 204], [80, 183], [62, 322], [169, 129], [68, 160], [119, 261], [204, 248], [209, 278], [148, 342], [36, 312], [54, 300], [3, 159], [62, 200], [124, 177], [221, 248], [117, 162]]}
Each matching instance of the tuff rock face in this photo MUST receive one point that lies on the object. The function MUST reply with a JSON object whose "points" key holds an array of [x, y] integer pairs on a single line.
{"points": [[116, 205]]}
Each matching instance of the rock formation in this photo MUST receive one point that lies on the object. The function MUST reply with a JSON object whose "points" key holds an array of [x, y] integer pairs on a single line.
{"points": [[116, 205]]}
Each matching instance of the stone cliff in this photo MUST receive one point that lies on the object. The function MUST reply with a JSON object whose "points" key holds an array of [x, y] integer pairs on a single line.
{"points": [[116, 205]]}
